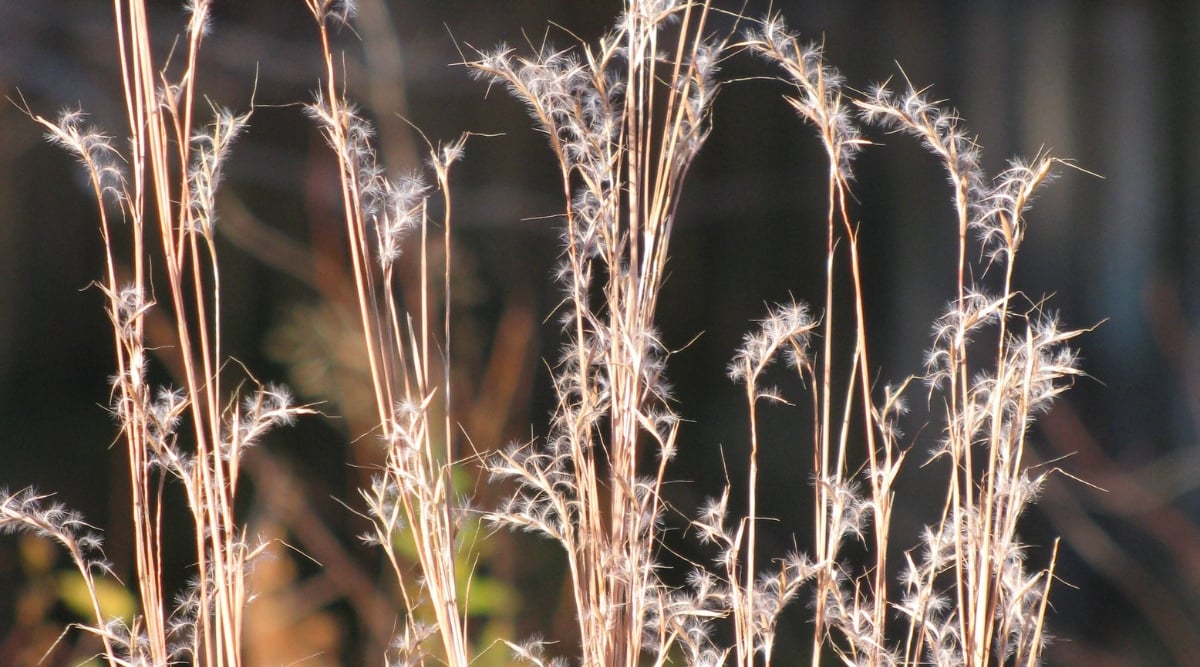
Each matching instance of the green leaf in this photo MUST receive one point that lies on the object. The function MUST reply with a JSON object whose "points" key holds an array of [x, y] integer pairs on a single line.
{"points": [[114, 600]]}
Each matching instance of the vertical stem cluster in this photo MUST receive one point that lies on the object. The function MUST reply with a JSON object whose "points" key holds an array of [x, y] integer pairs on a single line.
{"points": [[625, 120], [170, 210], [819, 99], [160, 122], [996, 615], [409, 366], [998, 607]]}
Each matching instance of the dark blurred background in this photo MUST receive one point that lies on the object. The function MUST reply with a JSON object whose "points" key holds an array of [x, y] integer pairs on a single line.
{"points": [[1109, 84]]}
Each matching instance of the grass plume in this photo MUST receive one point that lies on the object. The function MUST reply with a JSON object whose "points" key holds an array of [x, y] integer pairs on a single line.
{"points": [[624, 119]]}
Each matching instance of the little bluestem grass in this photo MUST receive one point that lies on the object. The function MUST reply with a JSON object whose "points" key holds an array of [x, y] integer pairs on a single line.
{"points": [[625, 119]]}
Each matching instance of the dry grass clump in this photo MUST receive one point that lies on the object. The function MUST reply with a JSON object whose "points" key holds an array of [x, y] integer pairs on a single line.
{"points": [[163, 189], [969, 599], [625, 123], [408, 364], [624, 118]]}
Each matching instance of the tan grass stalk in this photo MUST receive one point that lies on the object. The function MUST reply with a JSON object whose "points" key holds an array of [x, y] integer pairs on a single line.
{"points": [[409, 367], [1032, 365], [170, 211], [624, 120]]}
